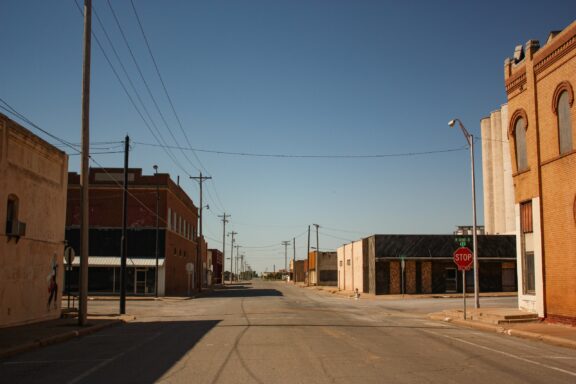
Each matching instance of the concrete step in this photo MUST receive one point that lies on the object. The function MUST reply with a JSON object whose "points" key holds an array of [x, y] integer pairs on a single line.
{"points": [[503, 316], [489, 315]]}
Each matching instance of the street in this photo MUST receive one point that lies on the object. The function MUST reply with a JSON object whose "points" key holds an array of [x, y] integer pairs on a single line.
{"points": [[271, 332]]}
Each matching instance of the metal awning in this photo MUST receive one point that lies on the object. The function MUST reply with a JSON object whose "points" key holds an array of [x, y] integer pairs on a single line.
{"points": [[114, 261]]}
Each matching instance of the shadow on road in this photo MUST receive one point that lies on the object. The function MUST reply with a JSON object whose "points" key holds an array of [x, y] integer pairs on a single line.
{"points": [[242, 290], [131, 353]]}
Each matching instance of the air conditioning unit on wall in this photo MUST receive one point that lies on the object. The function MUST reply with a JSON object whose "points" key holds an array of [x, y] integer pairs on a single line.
{"points": [[15, 228]]}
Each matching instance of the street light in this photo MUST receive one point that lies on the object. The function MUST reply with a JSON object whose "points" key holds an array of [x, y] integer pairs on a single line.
{"points": [[470, 141], [157, 217]]}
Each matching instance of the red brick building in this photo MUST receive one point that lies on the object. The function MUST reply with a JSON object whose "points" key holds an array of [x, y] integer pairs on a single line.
{"points": [[177, 232], [540, 83], [215, 261]]}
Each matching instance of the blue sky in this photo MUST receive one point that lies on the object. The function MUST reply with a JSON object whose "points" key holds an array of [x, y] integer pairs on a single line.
{"points": [[284, 78]]}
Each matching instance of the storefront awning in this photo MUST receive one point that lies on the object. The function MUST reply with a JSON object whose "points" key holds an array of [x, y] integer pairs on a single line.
{"points": [[114, 261]]}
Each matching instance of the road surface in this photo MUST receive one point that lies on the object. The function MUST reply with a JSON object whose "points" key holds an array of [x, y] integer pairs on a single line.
{"points": [[271, 332]]}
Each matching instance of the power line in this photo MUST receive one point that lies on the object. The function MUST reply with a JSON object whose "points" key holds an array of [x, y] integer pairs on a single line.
{"points": [[146, 85], [170, 155], [343, 156], [140, 25], [12, 111]]}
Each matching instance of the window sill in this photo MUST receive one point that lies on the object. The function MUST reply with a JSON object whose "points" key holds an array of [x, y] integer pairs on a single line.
{"points": [[521, 172], [560, 156]]}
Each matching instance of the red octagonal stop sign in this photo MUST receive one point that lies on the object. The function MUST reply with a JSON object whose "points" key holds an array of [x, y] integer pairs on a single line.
{"points": [[463, 258]]}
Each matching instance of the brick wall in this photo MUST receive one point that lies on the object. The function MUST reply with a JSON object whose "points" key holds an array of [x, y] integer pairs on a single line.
{"points": [[551, 176]]}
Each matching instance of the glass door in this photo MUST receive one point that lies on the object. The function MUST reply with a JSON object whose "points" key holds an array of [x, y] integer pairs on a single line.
{"points": [[140, 281]]}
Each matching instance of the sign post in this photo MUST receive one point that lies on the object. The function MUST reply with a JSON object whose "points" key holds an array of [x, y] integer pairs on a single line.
{"points": [[69, 255], [463, 258], [190, 271]]}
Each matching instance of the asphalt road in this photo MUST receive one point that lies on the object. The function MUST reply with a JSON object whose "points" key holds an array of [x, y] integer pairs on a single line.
{"points": [[277, 333]]}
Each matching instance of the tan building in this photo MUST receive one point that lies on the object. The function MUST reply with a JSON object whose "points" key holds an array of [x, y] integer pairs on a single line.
{"points": [[323, 268], [351, 259], [540, 85], [498, 189], [33, 180], [415, 264]]}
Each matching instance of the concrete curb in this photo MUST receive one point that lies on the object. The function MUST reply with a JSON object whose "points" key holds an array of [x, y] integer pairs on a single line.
{"points": [[558, 341], [55, 339]]}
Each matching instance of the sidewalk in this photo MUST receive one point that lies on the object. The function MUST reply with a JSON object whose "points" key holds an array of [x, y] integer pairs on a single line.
{"points": [[557, 334], [484, 319], [15, 340]]}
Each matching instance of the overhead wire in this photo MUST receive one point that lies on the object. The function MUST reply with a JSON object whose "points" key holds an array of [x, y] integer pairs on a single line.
{"points": [[123, 86], [12, 111], [213, 184], [340, 156], [146, 85], [24, 118]]}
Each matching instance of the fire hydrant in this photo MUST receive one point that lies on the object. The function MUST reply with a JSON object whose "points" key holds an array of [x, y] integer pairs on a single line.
{"points": [[356, 294]]}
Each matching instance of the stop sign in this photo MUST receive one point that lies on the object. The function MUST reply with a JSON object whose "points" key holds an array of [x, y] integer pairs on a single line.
{"points": [[463, 258]]}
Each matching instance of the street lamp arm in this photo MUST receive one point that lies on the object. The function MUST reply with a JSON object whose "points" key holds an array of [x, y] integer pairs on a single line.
{"points": [[467, 134]]}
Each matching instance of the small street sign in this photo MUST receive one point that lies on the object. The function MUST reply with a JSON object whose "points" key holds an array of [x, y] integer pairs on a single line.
{"points": [[463, 241], [463, 258]]}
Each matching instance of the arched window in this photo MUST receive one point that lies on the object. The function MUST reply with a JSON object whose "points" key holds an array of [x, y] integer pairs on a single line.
{"points": [[520, 144], [564, 122]]}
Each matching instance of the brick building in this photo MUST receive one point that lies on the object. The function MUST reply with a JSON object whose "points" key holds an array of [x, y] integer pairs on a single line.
{"points": [[395, 264], [33, 208], [177, 235], [215, 261], [540, 85]]}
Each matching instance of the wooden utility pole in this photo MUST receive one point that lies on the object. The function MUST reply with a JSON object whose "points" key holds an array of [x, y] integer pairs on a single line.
{"points": [[85, 167], [285, 244], [224, 221], [157, 230], [232, 253], [123, 243], [308, 257], [294, 259], [236, 263], [317, 261], [199, 271]]}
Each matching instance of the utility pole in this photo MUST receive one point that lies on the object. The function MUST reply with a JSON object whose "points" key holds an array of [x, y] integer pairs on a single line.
{"points": [[199, 271], [294, 260], [317, 261], [157, 230], [123, 243], [285, 244], [308, 256], [232, 253], [85, 166], [224, 221], [236, 263], [242, 266]]}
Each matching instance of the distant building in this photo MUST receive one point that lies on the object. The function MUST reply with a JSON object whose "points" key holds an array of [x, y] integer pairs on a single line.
{"points": [[323, 268], [299, 271], [498, 189], [540, 84], [396, 264], [178, 243], [33, 209], [216, 260], [469, 230]]}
